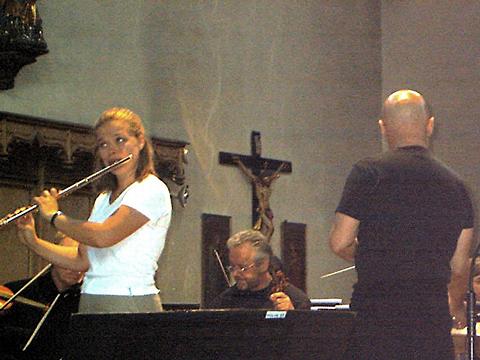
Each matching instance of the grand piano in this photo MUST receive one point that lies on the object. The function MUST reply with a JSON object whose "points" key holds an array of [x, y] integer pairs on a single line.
{"points": [[210, 334]]}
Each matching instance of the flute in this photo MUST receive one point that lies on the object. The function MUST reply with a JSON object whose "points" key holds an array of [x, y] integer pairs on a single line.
{"points": [[78, 185]]}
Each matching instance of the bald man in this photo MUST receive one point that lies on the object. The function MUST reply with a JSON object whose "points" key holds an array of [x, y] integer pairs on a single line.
{"points": [[406, 221]]}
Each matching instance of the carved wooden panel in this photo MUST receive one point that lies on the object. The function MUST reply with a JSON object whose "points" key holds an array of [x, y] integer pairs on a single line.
{"points": [[293, 253], [215, 232], [14, 257]]}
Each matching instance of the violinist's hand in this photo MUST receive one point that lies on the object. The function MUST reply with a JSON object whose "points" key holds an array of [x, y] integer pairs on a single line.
{"points": [[26, 229], [281, 301], [47, 203]]}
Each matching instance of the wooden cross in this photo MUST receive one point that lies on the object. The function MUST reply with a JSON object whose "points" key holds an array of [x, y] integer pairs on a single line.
{"points": [[261, 171]]}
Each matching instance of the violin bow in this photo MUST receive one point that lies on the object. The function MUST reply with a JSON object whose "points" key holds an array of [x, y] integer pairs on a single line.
{"points": [[12, 298], [337, 272], [42, 320], [222, 267]]}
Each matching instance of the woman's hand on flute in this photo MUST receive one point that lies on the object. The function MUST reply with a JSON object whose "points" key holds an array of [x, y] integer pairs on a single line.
{"points": [[26, 229], [47, 203]]}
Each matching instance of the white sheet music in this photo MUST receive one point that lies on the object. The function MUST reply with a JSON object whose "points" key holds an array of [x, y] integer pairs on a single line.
{"points": [[326, 302]]}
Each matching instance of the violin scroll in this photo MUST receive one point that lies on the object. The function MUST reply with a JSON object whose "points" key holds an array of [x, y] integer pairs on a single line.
{"points": [[6, 294], [280, 281]]}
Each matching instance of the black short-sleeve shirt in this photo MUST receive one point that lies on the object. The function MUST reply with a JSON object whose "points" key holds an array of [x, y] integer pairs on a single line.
{"points": [[412, 209]]}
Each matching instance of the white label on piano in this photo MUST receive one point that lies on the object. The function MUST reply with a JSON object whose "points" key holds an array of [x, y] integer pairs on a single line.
{"points": [[275, 315]]}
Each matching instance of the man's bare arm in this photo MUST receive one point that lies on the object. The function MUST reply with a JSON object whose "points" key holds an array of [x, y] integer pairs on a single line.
{"points": [[457, 287], [343, 236]]}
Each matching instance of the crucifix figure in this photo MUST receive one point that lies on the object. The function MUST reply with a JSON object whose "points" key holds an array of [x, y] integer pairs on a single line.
{"points": [[262, 172]]}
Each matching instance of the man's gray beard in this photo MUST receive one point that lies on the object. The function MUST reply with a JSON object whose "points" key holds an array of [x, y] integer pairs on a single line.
{"points": [[243, 285]]}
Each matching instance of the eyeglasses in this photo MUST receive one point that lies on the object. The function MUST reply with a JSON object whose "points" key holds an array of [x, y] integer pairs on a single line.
{"points": [[242, 269]]}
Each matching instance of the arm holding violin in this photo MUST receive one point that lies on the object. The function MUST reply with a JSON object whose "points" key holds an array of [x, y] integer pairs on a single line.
{"points": [[291, 298], [286, 296], [281, 301]]}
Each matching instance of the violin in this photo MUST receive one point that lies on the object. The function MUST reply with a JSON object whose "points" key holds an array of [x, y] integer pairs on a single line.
{"points": [[280, 281], [6, 293]]}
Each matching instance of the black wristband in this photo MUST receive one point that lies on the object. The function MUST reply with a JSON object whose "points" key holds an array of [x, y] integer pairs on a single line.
{"points": [[54, 216]]}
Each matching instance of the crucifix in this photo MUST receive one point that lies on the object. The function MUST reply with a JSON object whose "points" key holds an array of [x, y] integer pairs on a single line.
{"points": [[262, 172]]}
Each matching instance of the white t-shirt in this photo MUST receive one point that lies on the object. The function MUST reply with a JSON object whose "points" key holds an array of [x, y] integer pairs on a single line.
{"points": [[128, 267]]}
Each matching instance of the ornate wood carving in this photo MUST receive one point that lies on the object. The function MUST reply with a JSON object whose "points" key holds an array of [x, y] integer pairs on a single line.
{"points": [[215, 232], [21, 38], [171, 159], [47, 133], [66, 151], [293, 245]]}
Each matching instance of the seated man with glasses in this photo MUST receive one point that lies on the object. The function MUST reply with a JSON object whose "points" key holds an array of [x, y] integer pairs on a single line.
{"points": [[255, 288]]}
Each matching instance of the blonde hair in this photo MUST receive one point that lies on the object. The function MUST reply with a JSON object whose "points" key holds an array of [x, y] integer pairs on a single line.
{"points": [[135, 127]]}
